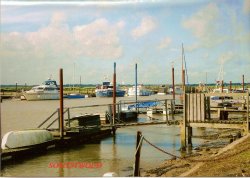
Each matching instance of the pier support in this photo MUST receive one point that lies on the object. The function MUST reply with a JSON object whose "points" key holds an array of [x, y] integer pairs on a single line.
{"points": [[61, 104], [189, 135], [137, 155], [184, 124], [114, 100]]}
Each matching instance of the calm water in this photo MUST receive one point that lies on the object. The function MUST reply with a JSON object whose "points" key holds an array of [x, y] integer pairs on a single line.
{"points": [[115, 153]]}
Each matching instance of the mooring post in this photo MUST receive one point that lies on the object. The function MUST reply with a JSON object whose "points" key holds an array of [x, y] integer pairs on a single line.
{"points": [[172, 109], [248, 124], [230, 86], [0, 134], [173, 82], [136, 86], [183, 124], [137, 155], [166, 108], [243, 84], [68, 117], [114, 99], [61, 104], [189, 134]]}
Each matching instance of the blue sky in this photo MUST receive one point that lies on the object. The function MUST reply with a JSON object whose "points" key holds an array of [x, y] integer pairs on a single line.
{"points": [[39, 38]]}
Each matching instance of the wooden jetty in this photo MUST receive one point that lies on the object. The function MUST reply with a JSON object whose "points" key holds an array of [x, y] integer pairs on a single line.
{"points": [[197, 113]]}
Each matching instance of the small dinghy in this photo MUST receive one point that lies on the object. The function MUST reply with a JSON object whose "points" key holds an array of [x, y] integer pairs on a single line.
{"points": [[25, 138]]}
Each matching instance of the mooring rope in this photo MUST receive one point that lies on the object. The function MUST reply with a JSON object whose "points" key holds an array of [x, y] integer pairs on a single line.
{"points": [[190, 159], [156, 147], [139, 145]]}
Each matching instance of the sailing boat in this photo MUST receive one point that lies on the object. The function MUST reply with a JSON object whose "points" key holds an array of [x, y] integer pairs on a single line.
{"points": [[75, 95], [219, 82]]}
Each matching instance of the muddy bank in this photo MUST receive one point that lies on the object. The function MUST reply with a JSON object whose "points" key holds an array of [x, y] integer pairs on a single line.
{"points": [[210, 159]]}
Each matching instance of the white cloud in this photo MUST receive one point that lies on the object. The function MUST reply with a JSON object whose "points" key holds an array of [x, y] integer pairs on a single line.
{"points": [[165, 43], [98, 39], [147, 25], [203, 26], [246, 7]]}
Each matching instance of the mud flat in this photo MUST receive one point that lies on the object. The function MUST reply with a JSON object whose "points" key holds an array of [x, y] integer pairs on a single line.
{"points": [[231, 160]]}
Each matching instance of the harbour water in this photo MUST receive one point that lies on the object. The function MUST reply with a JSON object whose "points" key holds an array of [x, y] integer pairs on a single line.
{"points": [[114, 154]]}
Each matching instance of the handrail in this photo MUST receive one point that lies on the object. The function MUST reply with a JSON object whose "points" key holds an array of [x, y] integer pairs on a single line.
{"points": [[48, 118], [67, 110]]}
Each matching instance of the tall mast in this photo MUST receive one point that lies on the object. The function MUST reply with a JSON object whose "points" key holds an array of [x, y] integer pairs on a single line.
{"points": [[182, 67], [221, 74]]}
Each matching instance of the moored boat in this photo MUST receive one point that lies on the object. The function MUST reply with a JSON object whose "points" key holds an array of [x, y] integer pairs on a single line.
{"points": [[106, 90], [24, 138], [47, 91], [75, 96], [141, 91]]}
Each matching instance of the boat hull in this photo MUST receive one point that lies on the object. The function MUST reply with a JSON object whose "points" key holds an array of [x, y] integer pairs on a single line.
{"points": [[75, 96], [18, 139], [41, 96], [109, 93], [140, 93]]}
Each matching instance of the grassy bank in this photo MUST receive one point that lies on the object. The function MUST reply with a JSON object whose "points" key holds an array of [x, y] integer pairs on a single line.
{"points": [[232, 160]]}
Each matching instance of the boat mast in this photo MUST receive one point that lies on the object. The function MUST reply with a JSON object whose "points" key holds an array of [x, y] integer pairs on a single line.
{"points": [[220, 77], [184, 69], [74, 79]]}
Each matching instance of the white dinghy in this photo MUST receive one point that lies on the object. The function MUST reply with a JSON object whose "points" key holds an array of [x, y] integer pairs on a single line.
{"points": [[24, 138]]}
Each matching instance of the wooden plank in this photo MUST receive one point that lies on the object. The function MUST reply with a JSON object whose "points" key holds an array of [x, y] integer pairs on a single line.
{"points": [[218, 125], [191, 103], [227, 94], [203, 107], [195, 107], [198, 107]]}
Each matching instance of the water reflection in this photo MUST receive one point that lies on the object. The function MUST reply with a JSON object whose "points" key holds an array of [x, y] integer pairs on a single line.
{"points": [[116, 154]]}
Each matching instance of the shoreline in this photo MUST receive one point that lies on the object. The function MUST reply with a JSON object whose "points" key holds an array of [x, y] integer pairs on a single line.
{"points": [[231, 160]]}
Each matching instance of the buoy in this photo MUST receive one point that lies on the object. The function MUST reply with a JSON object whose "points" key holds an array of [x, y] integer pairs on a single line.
{"points": [[110, 174]]}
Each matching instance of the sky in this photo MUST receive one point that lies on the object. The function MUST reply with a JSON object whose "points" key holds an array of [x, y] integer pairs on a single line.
{"points": [[86, 38]]}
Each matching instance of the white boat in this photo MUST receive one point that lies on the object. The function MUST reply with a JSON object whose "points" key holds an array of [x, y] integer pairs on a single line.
{"points": [[141, 91], [218, 90], [24, 138], [178, 90], [47, 91], [106, 90]]}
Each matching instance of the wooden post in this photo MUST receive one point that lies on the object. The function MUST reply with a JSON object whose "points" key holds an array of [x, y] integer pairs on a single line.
{"points": [[114, 99], [222, 86], [230, 86], [189, 133], [137, 155], [243, 84], [16, 89], [61, 104], [166, 108], [68, 118], [173, 83], [183, 124], [0, 134], [172, 109], [136, 86], [184, 81], [248, 126]]}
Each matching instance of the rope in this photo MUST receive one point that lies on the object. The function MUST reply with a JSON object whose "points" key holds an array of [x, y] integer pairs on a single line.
{"points": [[195, 160], [156, 147], [139, 145]]}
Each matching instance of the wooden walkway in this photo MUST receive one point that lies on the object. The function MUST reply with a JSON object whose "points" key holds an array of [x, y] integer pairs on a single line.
{"points": [[197, 113]]}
